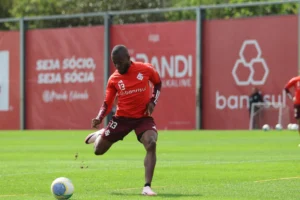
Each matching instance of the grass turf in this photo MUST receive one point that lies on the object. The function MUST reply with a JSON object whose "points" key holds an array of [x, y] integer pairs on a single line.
{"points": [[206, 165]]}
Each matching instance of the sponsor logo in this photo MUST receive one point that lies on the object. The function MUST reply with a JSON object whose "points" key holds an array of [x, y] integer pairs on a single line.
{"points": [[140, 76], [249, 64], [235, 101]]}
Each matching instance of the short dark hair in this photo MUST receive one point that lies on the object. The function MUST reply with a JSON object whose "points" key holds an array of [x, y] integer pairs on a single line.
{"points": [[119, 49]]}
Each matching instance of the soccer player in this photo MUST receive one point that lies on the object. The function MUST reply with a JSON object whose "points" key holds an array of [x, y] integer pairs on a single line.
{"points": [[130, 83], [295, 83], [255, 97]]}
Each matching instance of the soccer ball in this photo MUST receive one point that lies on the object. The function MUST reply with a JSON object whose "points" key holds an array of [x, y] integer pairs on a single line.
{"points": [[266, 127], [62, 188], [294, 127], [289, 126], [278, 127]]}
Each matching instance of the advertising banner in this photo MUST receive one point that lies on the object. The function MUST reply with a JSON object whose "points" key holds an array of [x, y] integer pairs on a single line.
{"points": [[241, 54], [170, 48], [64, 77], [9, 80]]}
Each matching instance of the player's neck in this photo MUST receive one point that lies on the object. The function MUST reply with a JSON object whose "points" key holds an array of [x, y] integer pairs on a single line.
{"points": [[131, 63]]}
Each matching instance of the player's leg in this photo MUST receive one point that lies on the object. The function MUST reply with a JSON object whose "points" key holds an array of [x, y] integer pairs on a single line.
{"points": [[297, 116], [298, 120], [149, 139], [91, 138], [101, 145], [147, 135], [116, 130]]}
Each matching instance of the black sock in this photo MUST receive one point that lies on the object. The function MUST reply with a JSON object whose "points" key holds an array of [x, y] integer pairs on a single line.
{"points": [[147, 184]]}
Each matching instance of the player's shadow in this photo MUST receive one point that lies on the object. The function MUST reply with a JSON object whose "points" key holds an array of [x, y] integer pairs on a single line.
{"points": [[166, 195]]}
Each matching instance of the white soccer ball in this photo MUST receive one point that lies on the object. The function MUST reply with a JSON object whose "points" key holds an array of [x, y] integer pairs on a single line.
{"points": [[266, 127], [62, 188], [278, 127], [294, 127], [289, 126]]}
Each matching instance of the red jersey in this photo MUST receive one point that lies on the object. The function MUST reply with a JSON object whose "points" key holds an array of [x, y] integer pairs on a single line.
{"points": [[294, 82], [132, 90]]}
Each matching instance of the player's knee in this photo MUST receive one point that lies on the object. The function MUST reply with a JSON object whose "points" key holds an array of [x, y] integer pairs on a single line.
{"points": [[151, 145], [99, 151]]}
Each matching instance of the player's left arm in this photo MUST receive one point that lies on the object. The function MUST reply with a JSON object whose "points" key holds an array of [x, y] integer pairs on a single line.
{"points": [[288, 86], [156, 81]]}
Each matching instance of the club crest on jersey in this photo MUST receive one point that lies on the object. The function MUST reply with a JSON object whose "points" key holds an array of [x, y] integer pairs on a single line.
{"points": [[121, 85], [140, 76]]}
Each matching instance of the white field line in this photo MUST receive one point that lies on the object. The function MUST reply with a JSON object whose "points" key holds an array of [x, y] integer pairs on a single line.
{"points": [[12, 195], [277, 179]]}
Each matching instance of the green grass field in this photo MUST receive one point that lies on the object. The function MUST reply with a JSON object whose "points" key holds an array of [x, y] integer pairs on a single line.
{"points": [[191, 165]]}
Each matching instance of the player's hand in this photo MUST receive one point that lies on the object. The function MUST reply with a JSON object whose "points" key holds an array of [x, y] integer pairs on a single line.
{"points": [[149, 108], [96, 122]]}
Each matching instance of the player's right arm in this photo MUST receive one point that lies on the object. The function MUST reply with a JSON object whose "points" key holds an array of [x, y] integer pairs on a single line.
{"points": [[106, 107], [290, 84]]}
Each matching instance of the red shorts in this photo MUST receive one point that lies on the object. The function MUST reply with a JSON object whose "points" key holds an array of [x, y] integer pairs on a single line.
{"points": [[297, 111], [119, 127]]}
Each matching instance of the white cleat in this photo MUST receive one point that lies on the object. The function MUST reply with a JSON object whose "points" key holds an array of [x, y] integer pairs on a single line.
{"points": [[91, 138], [148, 191]]}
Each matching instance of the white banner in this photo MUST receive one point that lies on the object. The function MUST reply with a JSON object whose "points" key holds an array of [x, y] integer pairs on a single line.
{"points": [[4, 80]]}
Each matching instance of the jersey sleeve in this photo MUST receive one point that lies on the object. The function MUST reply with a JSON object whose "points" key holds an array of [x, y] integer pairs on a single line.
{"points": [[110, 96], [156, 81], [290, 84]]}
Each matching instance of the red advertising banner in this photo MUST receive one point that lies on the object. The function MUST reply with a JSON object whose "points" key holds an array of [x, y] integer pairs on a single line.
{"points": [[9, 80], [64, 77], [170, 47], [241, 54]]}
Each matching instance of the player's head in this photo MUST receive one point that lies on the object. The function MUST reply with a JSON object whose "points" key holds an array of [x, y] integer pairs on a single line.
{"points": [[255, 89], [121, 58]]}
